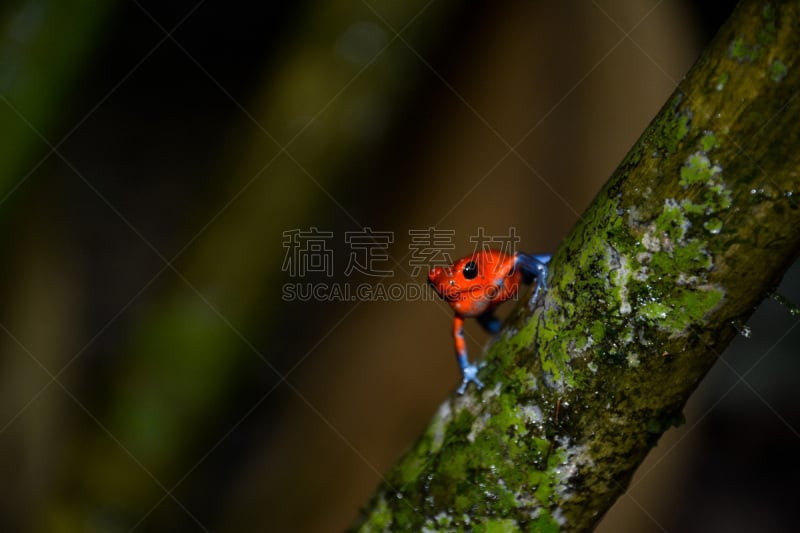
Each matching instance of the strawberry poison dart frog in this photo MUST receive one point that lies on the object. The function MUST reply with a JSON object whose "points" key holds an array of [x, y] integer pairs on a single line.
{"points": [[475, 285]]}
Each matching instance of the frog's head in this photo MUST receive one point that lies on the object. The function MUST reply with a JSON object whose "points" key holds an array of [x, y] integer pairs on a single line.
{"points": [[466, 285]]}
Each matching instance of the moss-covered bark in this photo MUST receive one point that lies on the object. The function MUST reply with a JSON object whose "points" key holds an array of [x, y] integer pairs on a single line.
{"points": [[692, 231]]}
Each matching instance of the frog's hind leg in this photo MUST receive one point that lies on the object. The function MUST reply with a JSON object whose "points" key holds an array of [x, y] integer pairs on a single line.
{"points": [[534, 266], [489, 322]]}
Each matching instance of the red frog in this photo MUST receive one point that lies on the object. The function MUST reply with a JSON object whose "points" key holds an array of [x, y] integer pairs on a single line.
{"points": [[475, 285]]}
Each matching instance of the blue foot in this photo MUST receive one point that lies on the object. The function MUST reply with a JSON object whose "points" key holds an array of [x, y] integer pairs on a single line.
{"points": [[469, 373]]}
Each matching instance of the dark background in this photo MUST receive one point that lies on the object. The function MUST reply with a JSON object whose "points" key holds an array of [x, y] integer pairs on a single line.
{"points": [[153, 379]]}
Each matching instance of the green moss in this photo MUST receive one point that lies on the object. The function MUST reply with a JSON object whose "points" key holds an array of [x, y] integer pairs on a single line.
{"points": [[691, 306], [692, 257], [709, 141], [525, 336], [567, 276], [598, 330], [452, 464], [542, 448], [523, 378], [544, 523], [664, 134], [713, 225], [654, 311], [545, 490], [738, 50], [414, 463], [718, 198], [722, 81], [554, 355], [472, 475], [678, 131], [743, 52], [671, 221], [768, 30], [380, 518], [778, 70], [404, 518], [462, 504], [692, 209], [676, 254], [506, 418], [715, 198], [671, 129], [444, 520], [697, 169], [497, 526]]}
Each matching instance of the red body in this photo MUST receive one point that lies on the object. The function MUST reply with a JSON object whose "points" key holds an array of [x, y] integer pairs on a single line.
{"points": [[496, 281]]}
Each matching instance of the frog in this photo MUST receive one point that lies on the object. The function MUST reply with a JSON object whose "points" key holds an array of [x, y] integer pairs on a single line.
{"points": [[475, 285]]}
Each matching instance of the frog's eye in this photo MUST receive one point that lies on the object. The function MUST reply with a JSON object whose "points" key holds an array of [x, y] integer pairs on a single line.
{"points": [[470, 270]]}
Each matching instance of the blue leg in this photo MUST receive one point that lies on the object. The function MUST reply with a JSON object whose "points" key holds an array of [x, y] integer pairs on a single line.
{"points": [[469, 372], [489, 322], [534, 265]]}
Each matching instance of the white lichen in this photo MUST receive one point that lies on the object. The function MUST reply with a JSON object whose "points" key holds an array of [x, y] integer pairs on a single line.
{"points": [[650, 239], [558, 516], [439, 425], [478, 426], [620, 274], [531, 412]]}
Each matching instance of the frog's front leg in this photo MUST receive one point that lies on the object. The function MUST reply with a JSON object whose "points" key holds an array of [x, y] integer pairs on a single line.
{"points": [[469, 372], [534, 265]]}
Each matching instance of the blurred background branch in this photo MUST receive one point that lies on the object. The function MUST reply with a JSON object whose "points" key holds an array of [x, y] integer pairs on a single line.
{"points": [[144, 259], [45, 46]]}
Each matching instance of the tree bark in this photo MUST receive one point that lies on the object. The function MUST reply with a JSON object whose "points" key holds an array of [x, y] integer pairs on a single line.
{"points": [[691, 232]]}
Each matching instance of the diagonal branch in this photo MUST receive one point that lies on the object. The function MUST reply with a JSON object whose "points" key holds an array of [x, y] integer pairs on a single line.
{"points": [[693, 230]]}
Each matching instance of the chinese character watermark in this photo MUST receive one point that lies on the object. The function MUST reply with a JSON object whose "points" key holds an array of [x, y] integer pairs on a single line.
{"points": [[367, 249], [429, 247], [307, 251], [506, 243], [311, 251]]}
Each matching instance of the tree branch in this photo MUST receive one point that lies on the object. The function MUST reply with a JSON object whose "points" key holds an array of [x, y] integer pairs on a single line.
{"points": [[693, 230]]}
